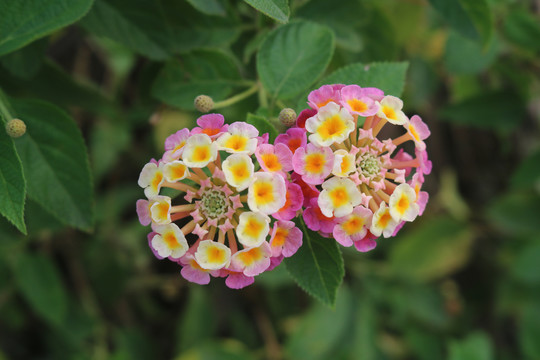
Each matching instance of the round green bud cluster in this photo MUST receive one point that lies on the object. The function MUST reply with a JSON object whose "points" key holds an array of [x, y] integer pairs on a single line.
{"points": [[15, 128], [204, 103], [287, 117]]}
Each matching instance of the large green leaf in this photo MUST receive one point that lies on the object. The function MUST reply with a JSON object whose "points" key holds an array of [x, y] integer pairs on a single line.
{"points": [[40, 284], [208, 72], [24, 21], [472, 18], [387, 76], [317, 266], [293, 56], [159, 29], [55, 163], [494, 110], [525, 266], [12, 183], [434, 250], [276, 9]]}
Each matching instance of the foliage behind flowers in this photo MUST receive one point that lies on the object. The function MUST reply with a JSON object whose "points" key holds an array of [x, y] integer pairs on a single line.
{"points": [[90, 90]]}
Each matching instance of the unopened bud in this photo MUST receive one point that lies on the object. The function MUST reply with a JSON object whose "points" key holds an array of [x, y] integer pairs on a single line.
{"points": [[15, 128], [204, 103], [287, 117]]}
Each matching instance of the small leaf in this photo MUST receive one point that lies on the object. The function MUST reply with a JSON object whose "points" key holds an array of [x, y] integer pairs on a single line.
{"points": [[387, 76], [435, 249], [263, 125], [55, 163], [465, 56], [12, 183], [317, 266], [276, 9], [496, 110], [293, 56], [105, 20], [529, 331], [528, 172], [198, 323], [40, 284], [208, 7], [321, 329], [516, 212], [525, 266], [476, 346], [208, 72], [24, 21], [522, 27], [472, 18]]}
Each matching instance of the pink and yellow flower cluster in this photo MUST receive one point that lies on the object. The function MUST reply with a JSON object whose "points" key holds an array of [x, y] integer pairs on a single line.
{"points": [[357, 185], [235, 201], [236, 194]]}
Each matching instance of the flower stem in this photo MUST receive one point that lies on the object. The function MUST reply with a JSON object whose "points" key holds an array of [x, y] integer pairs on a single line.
{"points": [[236, 98]]}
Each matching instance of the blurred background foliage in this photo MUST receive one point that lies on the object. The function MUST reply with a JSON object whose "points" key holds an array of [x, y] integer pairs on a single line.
{"points": [[462, 282]]}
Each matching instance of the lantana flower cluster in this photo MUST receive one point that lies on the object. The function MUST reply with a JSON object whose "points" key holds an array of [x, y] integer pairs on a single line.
{"points": [[357, 185], [231, 216]]}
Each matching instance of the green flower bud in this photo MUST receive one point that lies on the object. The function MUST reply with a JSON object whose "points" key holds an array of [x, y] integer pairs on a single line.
{"points": [[204, 103], [15, 128], [287, 117]]}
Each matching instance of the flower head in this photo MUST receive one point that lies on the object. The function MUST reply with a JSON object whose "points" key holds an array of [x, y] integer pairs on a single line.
{"points": [[229, 219], [356, 185]]}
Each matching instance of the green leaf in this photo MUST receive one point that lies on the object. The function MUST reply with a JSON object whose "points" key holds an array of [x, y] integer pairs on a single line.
{"points": [[476, 346], [24, 21], [198, 323], [465, 56], [321, 329], [525, 266], [158, 30], [208, 72], [12, 183], [433, 250], [528, 172], [53, 84], [26, 62], [264, 126], [293, 56], [501, 111], [107, 21], [481, 15], [276, 9], [343, 20], [317, 266], [208, 7], [516, 212], [529, 331], [472, 18], [41, 285], [55, 163], [387, 76], [522, 27]]}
